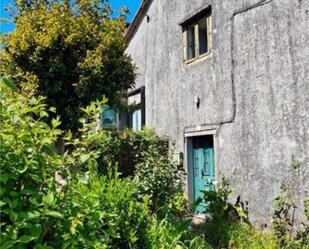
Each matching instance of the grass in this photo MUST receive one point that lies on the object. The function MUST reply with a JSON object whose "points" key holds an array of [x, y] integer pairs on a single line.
{"points": [[236, 235]]}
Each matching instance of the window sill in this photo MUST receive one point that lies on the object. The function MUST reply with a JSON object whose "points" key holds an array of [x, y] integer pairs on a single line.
{"points": [[198, 59]]}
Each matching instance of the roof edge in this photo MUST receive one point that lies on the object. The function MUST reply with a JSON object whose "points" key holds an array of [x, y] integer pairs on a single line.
{"points": [[137, 19]]}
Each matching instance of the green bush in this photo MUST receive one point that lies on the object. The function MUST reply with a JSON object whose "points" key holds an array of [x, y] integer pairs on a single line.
{"points": [[127, 149], [167, 234], [145, 156], [159, 177], [30, 202], [104, 213], [227, 224], [50, 200], [219, 207], [289, 235]]}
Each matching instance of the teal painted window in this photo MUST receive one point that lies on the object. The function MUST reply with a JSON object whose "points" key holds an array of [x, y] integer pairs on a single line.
{"points": [[109, 118]]}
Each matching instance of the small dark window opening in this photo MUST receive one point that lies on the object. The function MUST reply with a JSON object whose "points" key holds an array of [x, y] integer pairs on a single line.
{"points": [[202, 35], [190, 43]]}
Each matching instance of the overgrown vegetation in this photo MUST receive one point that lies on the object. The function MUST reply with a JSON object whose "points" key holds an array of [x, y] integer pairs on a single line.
{"points": [[81, 199], [228, 224], [290, 234], [128, 148], [50, 200]]}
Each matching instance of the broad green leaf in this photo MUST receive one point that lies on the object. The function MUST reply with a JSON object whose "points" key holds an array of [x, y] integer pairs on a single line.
{"points": [[8, 83], [3, 178], [2, 203], [32, 215], [36, 231], [43, 114], [82, 120], [26, 239], [23, 170], [7, 244], [55, 122], [54, 214], [52, 109], [68, 136], [84, 157], [178, 247], [49, 198], [43, 247]]}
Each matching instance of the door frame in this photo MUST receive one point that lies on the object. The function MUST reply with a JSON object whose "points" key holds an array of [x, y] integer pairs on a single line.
{"points": [[189, 134]]}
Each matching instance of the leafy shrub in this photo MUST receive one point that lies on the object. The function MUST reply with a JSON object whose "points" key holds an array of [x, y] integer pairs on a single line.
{"points": [[30, 202], [145, 156], [218, 206], [104, 213], [227, 224], [283, 223], [59, 201], [302, 237], [159, 177], [289, 234], [282, 220], [127, 149], [166, 234]]}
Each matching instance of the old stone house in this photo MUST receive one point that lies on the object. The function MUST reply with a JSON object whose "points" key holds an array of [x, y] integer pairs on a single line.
{"points": [[228, 81]]}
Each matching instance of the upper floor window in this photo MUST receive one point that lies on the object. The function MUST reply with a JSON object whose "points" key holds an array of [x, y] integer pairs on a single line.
{"points": [[197, 36]]}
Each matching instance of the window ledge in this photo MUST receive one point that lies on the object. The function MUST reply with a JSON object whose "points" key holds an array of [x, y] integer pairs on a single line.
{"points": [[198, 59]]}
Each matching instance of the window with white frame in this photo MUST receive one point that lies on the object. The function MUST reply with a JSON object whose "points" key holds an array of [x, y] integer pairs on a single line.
{"points": [[197, 36]]}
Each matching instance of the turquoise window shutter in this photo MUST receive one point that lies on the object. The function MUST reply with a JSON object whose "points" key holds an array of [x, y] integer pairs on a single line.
{"points": [[109, 118]]}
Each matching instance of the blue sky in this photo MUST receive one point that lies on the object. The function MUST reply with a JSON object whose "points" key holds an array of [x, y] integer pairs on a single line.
{"points": [[116, 4]]}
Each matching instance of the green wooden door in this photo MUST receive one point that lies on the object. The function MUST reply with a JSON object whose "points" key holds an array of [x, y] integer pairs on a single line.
{"points": [[204, 173]]}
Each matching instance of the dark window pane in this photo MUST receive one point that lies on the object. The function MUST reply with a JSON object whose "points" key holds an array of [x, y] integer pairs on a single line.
{"points": [[202, 35], [190, 43]]}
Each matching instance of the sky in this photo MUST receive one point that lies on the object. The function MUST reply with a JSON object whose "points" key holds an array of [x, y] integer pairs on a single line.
{"points": [[6, 27]]}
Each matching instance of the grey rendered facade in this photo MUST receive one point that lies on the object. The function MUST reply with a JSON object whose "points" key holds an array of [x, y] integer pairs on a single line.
{"points": [[253, 89]]}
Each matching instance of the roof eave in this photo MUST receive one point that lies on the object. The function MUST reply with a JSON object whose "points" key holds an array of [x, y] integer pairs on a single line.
{"points": [[137, 19]]}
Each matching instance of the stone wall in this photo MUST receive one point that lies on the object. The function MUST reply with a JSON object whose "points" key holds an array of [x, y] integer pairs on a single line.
{"points": [[254, 87]]}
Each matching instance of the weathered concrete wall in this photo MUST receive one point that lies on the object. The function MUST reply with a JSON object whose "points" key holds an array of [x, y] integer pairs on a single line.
{"points": [[258, 71]]}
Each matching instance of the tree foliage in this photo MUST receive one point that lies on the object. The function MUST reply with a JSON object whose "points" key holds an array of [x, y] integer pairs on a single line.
{"points": [[72, 52]]}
